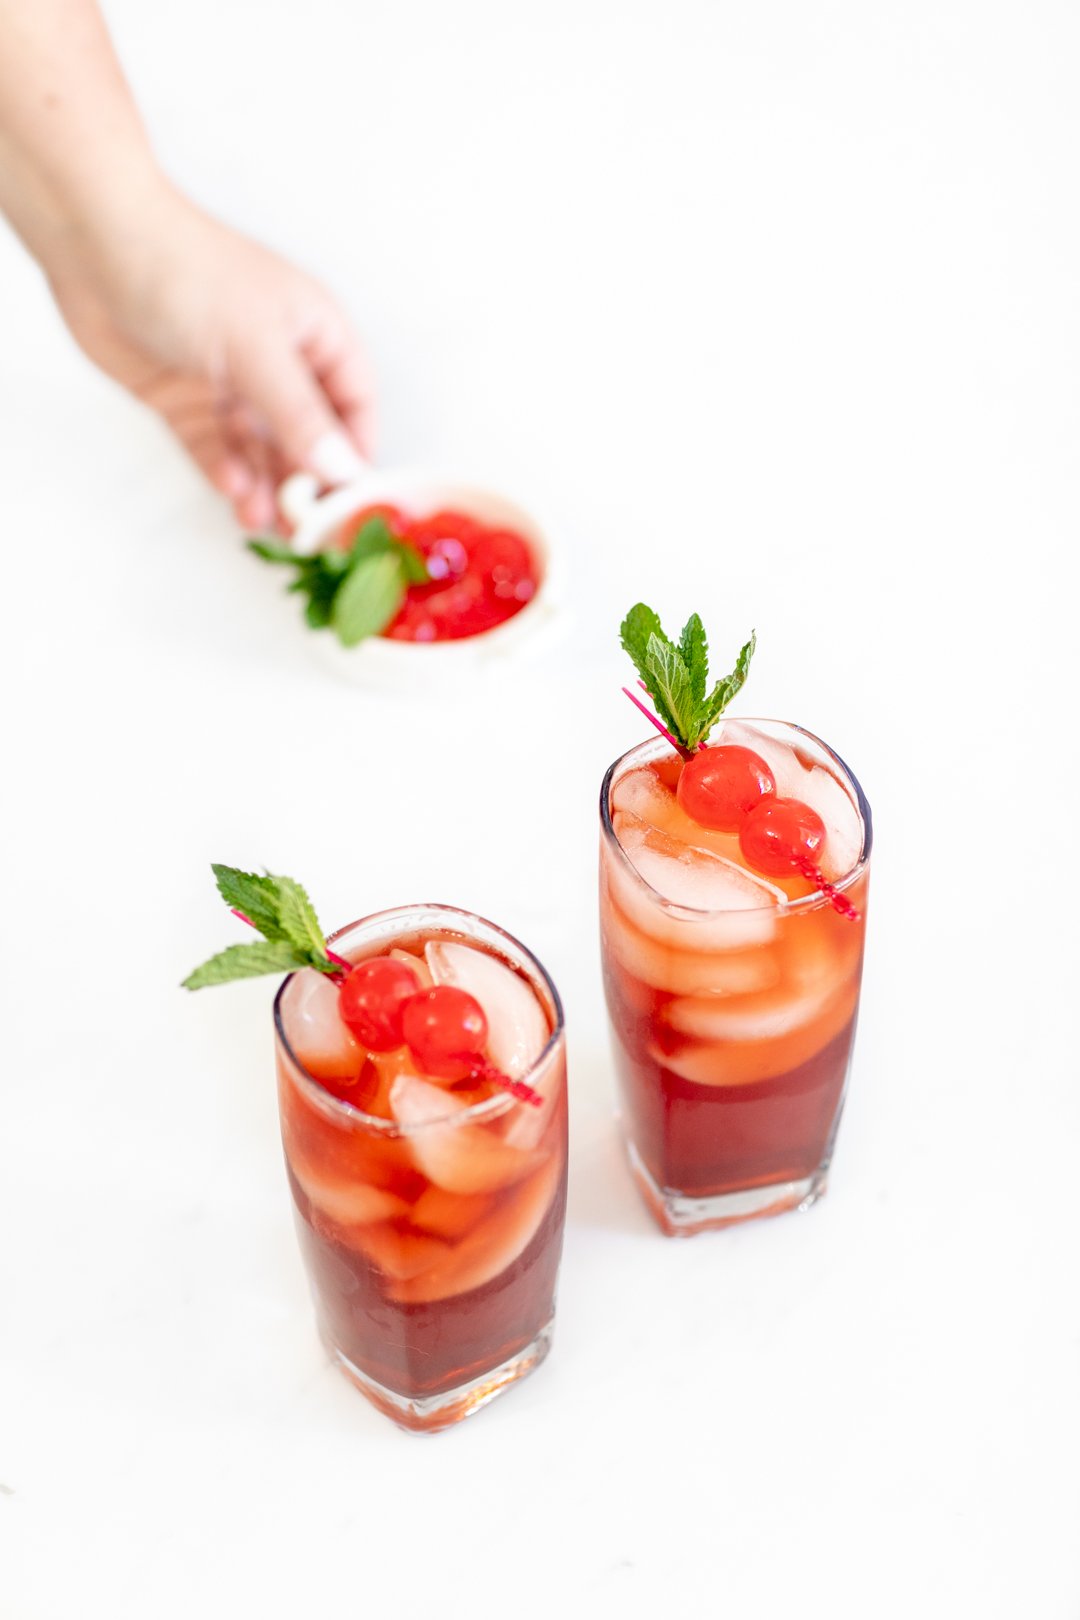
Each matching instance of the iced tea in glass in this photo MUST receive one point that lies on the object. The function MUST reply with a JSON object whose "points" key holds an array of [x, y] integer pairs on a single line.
{"points": [[732, 992], [429, 1205]]}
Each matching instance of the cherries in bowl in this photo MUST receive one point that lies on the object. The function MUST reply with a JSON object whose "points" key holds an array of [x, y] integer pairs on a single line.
{"points": [[492, 588]]}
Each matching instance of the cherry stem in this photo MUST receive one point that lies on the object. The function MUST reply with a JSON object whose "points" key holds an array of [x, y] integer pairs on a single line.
{"points": [[332, 956], [814, 875], [653, 721], [517, 1088]]}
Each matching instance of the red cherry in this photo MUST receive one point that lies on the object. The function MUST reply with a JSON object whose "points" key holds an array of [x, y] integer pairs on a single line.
{"points": [[446, 558], [446, 1031], [778, 833], [504, 562], [414, 622], [372, 1001], [462, 609], [717, 786], [480, 577]]}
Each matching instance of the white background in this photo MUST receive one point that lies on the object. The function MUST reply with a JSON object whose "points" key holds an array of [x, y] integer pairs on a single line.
{"points": [[766, 310]]}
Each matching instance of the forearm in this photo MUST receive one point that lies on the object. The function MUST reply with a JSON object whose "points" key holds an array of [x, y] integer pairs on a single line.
{"points": [[75, 162]]}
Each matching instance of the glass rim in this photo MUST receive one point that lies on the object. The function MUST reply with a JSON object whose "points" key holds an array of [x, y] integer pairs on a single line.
{"points": [[490, 1107], [807, 902]]}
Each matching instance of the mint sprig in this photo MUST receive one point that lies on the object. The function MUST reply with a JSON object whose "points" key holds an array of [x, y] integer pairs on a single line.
{"points": [[279, 909], [676, 674], [355, 592]]}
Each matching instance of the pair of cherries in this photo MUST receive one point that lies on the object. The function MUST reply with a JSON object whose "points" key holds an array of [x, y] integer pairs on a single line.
{"points": [[444, 1028], [731, 789]]}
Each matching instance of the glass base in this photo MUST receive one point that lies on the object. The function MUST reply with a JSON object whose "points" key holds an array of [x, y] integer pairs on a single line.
{"points": [[681, 1215], [427, 1414]]}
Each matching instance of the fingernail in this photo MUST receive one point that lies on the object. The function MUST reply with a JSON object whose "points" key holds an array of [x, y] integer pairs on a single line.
{"points": [[333, 459]]}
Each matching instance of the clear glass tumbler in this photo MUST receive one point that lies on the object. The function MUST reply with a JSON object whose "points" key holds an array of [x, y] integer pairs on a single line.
{"points": [[732, 998], [431, 1226]]}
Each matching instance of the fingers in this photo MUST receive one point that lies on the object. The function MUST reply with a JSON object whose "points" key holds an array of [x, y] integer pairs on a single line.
{"points": [[224, 441], [341, 366], [246, 485], [280, 384], [287, 391]]}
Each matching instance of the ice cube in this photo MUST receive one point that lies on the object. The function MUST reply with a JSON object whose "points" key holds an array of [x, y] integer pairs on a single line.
{"points": [[344, 1201], [417, 963], [751, 1018], [698, 879], [493, 1244], [318, 1036], [448, 1215], [528, 1122], [402, 1254], [641, 793], [736, 974], [735, 907], [770, 1040], [697, 969], [517, 1028], [801, 776], [462, 1158]]}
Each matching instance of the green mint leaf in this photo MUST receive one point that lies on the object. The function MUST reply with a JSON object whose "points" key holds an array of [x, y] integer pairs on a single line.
{"points": [[272, 551], [634, 632], [255, 896], [368, 598], [297, 918], [668, 680], [334, 562], [357, 589], [322, 589], [375, 537], [317, 577], [416, 570], [676, 677], [724, 690], [372, 538], [246, 961], [695, 655]]}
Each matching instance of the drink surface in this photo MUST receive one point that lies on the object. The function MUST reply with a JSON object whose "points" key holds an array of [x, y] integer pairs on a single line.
{"points": [[480, 575], [430, 1211], [732, 993]]}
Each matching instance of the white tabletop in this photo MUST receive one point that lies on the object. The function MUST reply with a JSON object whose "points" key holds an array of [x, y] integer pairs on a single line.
{"points": [[768, 311]]}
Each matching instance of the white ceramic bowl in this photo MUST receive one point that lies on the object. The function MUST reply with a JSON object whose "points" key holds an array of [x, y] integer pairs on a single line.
{"points": [[317, 518]]}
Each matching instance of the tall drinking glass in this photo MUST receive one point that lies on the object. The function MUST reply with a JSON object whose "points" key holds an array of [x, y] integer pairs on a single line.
{"points": [[732, 996], [430, 1215]]}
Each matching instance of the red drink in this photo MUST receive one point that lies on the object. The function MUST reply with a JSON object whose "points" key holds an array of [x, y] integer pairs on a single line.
{"points": [[430, 1208], [733, 992]]}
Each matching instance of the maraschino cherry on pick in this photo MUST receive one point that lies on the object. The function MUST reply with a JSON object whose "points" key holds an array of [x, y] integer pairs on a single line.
{"points": [[718, 786], [446, 1031], [373, 999], [778, 834]]}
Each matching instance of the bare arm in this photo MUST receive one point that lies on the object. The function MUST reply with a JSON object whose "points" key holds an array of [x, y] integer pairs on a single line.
{"points": [[250, 362], [73, 153]]}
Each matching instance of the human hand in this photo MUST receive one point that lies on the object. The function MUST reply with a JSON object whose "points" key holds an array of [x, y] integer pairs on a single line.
{"points": [[250, 362]]}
